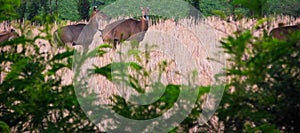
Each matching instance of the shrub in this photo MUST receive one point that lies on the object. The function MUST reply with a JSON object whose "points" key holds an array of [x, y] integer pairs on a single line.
{"points": [[32, 96], [264, 86]]}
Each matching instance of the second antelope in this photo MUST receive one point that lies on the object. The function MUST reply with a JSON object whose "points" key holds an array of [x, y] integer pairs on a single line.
{"points": [[8, 35], [121, 31], [282, 32], [69, 34]]}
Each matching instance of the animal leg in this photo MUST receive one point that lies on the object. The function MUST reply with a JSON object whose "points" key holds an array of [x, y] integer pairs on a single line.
{"points": [[116, 41], [74, 43]]}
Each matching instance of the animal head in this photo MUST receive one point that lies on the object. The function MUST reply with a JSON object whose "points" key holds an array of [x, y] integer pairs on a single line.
{"points": [[14, 34], [95, 11], [99, 14], [8, 35], [145, 11]]}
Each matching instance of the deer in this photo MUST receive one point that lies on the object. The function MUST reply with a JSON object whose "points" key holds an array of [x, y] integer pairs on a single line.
{"points": [[8, 35], [69, 34], [282, 32], [122, 30]]}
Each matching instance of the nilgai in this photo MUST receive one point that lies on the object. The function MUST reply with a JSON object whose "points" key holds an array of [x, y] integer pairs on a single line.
{"points": [[121, 31], [69, 34], [8, 35], [282, 32], [5, 36]]}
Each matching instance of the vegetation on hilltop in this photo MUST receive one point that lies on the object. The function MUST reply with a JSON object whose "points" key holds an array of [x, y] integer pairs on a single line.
{"points": [[69, 9]]}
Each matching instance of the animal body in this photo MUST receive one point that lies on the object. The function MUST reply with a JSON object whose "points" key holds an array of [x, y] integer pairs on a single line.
{"points": [[123, 30], [5, 36], [282, 32], [8, 35], [69, 34]]}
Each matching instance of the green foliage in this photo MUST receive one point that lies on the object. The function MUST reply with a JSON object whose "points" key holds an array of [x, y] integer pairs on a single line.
{"points": [[265, 83], [7, 9], [105, 2], [83, 7], [262, 128], [255, 6], [44, 18], [261, 8], [146, 112], [176, 8], [4, 127], [32, 93], [32, 9], [194, 3], [246, 8], [208, 7], [35, 10], [21, 11], [286, 7], [68, 10], [75, 10], [193, 117], [137, 76]]}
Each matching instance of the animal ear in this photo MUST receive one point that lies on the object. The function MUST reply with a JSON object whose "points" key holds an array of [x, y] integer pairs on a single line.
{"points": [[95, 8]]}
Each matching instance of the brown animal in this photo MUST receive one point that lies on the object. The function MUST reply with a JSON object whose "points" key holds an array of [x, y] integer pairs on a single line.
{"points": [[69, 34], [120, 31], [5, 36], [282, 32], [8, 35]]}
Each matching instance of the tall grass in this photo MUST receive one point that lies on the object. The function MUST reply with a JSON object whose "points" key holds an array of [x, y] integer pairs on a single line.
{"points": [[200, 38], [187, 32]]}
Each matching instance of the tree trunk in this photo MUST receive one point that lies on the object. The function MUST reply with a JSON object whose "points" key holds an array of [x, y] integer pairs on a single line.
{"points": [[50, 6], [56, 5]]}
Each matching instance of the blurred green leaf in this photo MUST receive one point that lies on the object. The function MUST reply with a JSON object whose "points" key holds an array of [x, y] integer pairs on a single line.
{"points": [[4, 127]]}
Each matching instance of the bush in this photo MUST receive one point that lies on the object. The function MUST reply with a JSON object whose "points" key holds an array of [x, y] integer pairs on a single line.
{"points": [[32, 96], [137, 76], [263, 92]]}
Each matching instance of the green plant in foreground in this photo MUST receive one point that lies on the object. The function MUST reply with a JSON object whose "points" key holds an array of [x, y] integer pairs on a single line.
{"points": [[137, 76], [4, 127], [32, 96], [264, 86]]}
